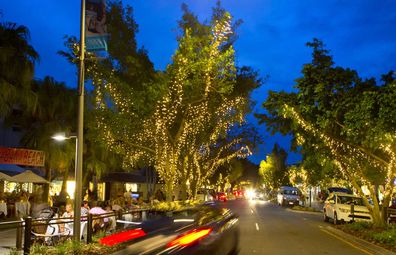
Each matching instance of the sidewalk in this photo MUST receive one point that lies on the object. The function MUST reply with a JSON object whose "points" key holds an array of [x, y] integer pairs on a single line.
{"points": [[318, 206], [7, 241]]}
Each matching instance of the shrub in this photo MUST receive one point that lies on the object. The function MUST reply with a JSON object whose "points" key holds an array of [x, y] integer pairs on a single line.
{"points": [[72, 248], [303, 208], [358, 226], [387, 236]]}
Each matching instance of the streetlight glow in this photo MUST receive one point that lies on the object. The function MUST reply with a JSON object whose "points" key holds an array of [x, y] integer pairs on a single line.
{"points": [[62, 137]]}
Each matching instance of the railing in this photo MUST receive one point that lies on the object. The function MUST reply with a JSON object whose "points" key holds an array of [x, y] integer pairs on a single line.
{"points": [[391, 215], [25, 226]]}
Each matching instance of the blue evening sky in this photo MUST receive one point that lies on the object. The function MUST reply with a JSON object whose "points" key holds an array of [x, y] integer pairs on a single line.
{"points": [[360, 34]]}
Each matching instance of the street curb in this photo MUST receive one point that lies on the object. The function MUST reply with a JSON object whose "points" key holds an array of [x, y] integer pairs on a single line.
{"points": [[297, 211], [372, 248]]}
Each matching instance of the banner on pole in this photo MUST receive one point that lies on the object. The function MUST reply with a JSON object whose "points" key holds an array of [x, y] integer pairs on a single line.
{"points": [[95, 25]]}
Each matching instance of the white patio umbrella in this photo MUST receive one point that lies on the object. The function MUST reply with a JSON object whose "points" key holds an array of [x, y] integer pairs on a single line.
{"points": [[29, 177], [5, 177]]}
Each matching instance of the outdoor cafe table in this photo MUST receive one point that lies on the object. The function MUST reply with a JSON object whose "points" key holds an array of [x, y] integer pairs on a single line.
{"points": [[3, 208]]}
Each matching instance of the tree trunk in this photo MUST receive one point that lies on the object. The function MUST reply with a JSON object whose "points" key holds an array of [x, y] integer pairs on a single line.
{"points": [[183, 187], [64, 181], [169, 190], [46, 186], [194, 189]]}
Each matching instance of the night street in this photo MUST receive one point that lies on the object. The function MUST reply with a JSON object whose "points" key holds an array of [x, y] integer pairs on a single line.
{"points": [[267, 228]]}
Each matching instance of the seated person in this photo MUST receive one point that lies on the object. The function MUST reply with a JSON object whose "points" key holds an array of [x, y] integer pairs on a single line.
{"points": [[84, 208], [68, 225], [98, 223]]}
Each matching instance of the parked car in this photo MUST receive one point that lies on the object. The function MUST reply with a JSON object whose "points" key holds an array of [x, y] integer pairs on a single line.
{"points": [[392, 211], [288, 196], [344, 207], [207, 229]]}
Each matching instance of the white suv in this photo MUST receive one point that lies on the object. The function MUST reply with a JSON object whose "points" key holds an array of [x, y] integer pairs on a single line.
{"points": [[288, 196], [338, 207]]}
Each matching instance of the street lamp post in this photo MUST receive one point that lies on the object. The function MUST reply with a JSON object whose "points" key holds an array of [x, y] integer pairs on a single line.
{"points": [[77, 202], [80, 127]]}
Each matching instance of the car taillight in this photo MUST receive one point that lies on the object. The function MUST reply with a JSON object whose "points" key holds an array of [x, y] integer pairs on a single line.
{"points": [[190, 237], [121, 237]]}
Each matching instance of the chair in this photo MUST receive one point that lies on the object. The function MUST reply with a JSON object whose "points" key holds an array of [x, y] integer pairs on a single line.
{"points": [[52, 233]]}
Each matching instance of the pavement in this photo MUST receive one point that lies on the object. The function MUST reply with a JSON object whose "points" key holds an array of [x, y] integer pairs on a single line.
{"points": [[7, 241]]}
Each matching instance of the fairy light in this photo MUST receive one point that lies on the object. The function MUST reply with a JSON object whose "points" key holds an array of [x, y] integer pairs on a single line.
{"points": [[347, 157], [181, 127]]}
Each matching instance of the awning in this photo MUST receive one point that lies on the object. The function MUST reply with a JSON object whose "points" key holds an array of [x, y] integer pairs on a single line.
{"points": [[11, 168], [29, 177], [4, 177]]}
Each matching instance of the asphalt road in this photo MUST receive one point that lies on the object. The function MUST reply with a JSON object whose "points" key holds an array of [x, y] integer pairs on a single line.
{"points": [[266, 228]]}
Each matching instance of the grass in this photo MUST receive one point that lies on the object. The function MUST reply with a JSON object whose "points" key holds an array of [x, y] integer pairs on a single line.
{"points": [[303, 208]]}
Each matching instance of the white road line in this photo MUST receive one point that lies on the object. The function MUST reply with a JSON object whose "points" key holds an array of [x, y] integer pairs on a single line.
{"points": [[251, 210], [257, 227]]}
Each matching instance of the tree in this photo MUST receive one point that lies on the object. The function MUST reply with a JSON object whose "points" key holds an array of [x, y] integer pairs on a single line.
{"points": [[17, 59], [273, 170], [334, 126], [55, 112]]}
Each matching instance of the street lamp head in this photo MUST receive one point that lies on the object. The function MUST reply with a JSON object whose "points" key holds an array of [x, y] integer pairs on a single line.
{"points": [[59, 137], [62, 136]]}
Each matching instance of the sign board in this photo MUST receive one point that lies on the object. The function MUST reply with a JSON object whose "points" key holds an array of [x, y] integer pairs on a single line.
{"points": [[21, 157], [95, 26]]}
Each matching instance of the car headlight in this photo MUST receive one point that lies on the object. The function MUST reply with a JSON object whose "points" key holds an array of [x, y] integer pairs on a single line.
{"points": [[344, 210]]}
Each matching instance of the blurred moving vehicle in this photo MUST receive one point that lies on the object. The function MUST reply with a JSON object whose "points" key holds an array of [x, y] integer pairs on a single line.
{"points": [[207, 229], [288, 196], [221, 196], [344, 207]]}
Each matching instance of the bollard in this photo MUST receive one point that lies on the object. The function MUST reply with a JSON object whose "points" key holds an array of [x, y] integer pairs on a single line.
{"points": [[28, 231], [89, 228], [19, 236], [144, 215]]}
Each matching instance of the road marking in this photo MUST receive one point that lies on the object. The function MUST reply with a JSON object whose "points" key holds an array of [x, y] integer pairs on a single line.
{"points": [[257, 227], [345, 241], [251, 210]]}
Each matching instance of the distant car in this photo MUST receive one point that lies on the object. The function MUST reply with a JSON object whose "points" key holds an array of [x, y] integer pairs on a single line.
{"points": [[204, 195], [207, 229], [238, 194], [221, 196], [330, 190], [288, 196], [259, 195], [344, 207]]}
